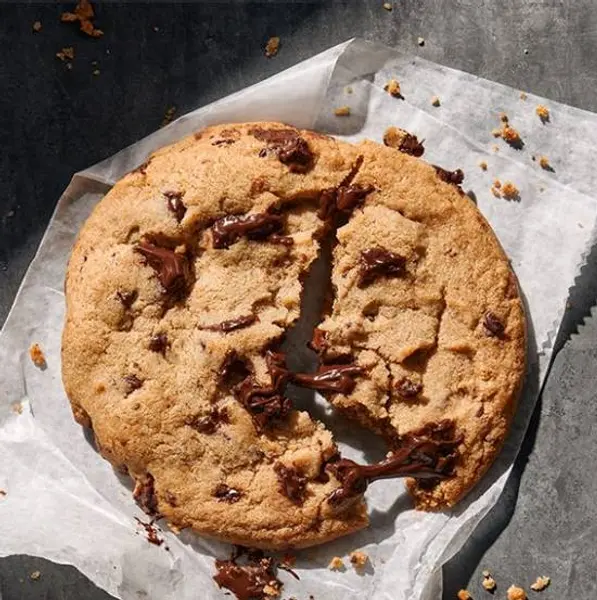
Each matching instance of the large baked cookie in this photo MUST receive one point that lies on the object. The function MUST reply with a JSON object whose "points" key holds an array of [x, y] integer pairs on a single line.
{"points": [[189, 272]]}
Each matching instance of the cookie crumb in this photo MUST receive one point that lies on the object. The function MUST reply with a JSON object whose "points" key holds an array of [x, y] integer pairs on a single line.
{"points": [[542, 112], [510, 135], [541, 583], [510, 191], [358, 559], [544, 163], [496, 192], [488, 582], [17, 408], [342, 111], [84, 14], [168, 116], [2, 493], [435, 101], [495, 148], [393, 88], [523, 96], [271, 591], [387, 6], [503, 117], [496, 133], [516, 593], [497, 184], [35, 575], [37, 356], [96, 72], [66, 54], [336, 564], [37, 26], [272, 46], [348, 90], [421, 41], [483, 165], [464, 595]]}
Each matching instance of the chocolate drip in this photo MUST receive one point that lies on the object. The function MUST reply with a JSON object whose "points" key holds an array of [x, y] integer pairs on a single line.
{"points": [[250, 581], [453, 177], [228, 229], [376, 262], [175, 204], [292, 484], [232, 324], [227, 494], [330, 378], [429, 453], [171, 267], [144, 495]]}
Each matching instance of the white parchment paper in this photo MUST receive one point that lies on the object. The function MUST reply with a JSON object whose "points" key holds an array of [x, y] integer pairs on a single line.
{"points": [[63, 502]]}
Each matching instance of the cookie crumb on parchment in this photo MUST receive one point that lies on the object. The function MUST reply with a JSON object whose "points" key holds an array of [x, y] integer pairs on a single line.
{"points": [[540, 584], [342, 111], [393, 88], [542, 112], [358, 559], [510, 191], [516, 593], [2, 493], [336, 564], [435, 101], [37, 356], [544, 163], [523, 96], [272, 46], [483, 165]]}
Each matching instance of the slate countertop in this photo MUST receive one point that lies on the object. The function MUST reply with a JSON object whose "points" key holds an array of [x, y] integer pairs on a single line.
{"points": [[153, 56]]}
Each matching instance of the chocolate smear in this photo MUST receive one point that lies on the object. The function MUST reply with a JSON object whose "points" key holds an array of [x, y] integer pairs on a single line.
{"points": [[453, 177], [229, 229], [175, 204], [255, 580], [144, 495], [292, 484], [151, 531], [132, 383], [291, 149], [377, 262], [330, 378], [171, 267], [232, 324], [493, 326], [336, 204], [429, 453], [159, 343], [227, 494]]}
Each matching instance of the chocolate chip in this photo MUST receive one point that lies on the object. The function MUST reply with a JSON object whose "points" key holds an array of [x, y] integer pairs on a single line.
{"points": [[376, 262], [132, 383], [330, 378], [291, 149], [144, 494], [407, 388], [227, 494], [158, 343], [453, 177], [493, 325], [209, 423], [127, 299], [292, 484], [229, 229], [232, 324], [175, 204], [351, 196], [171, 267]]}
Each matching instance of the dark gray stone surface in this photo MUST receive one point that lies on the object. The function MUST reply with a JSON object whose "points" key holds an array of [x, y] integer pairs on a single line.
{"points": [[54, 122]]}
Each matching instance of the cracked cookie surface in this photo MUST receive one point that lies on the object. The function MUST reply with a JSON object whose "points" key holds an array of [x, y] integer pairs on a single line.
{"points": [[189, 272]]}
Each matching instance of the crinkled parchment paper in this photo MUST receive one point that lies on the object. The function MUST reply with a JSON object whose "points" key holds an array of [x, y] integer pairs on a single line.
{"points": [[64, 503]]}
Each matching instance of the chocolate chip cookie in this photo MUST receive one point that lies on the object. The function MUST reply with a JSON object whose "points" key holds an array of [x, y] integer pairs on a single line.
{"points": [[185, 279]]}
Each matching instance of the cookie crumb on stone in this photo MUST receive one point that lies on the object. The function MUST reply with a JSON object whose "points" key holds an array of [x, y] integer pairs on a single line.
{"points": [[464, 595], [523, 96], [66, 54], [336, 564], [488, 582], [542, 112], [421, 41], [483, 165], [544, 163], [541, 583], [37, 356], [435, 101], [393, 88], [342, 111], [387, 6], [96, 72], [35, 575], [510, 191], [37, 26], [272, 46], [84, 15], [169, 116], [516, 593], [358, 559]]}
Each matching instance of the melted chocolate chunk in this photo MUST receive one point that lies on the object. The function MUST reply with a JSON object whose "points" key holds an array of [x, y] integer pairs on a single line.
{"points": [[158, 343], [376, 262], [493, 325], [453, 177], [292, 484], [144, 495], [407, 388], [209, 423], [171, 267], [234, 369], [330, 378], [175, 204], [290, 147], [232, 324], [151, 531], [132, 383], [429, 453], [227, 494], [283, 240], [256, 227], [327, 204], [249, 581], [127, 299], [351, 196]]}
